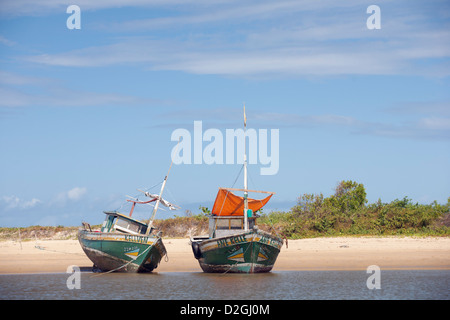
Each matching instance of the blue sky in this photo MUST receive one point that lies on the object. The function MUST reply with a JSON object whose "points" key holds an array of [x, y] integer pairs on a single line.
{"points": [[86, 116]]}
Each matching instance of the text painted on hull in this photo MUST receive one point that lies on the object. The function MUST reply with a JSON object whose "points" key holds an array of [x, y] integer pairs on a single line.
{"points": [[232, 240], [137, 239]]}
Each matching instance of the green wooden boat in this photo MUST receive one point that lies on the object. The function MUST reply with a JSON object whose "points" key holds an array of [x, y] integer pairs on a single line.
{"points": [[125, 244], [229, 246], [118, 248], [234, 243]]}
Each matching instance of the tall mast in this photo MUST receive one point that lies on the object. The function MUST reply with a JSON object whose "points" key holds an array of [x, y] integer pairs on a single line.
{"points": [[158, 200], [245, 174]]}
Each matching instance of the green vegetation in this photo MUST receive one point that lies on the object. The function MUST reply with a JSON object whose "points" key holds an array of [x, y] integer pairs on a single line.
{"points": [[347, 213], [38, 232], [344, 213], [181, 227]]}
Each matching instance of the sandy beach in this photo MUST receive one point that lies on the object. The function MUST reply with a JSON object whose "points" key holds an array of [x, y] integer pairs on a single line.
{"points": [[44, 256]]}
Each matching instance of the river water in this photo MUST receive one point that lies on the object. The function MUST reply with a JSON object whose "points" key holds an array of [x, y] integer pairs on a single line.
{"points": [[280, 285]]}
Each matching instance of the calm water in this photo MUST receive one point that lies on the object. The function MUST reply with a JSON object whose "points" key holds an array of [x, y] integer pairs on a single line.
{"points": [[283, 285]]}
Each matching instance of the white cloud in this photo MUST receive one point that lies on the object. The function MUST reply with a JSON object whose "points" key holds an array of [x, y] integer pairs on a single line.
{"points": [[14, 202], [6, 42], [76, 193], [201, 58], [437, 127], [409, 121], [47, 7], [217, 13], [283, 37], [435, 123], [440, 109], [9, 78], [73, 194], [14, 98], [19, 90], [65, 197]]}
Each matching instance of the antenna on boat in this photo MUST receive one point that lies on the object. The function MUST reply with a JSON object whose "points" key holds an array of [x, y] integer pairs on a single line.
{"points": [[245, 175], [158, 200]]}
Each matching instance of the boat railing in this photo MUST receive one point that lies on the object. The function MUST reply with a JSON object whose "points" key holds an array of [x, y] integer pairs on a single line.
{"points": [[86, 226]]}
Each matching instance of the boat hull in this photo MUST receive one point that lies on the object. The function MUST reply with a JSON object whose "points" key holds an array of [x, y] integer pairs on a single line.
{"points": [[122, 252], [248, 252]]}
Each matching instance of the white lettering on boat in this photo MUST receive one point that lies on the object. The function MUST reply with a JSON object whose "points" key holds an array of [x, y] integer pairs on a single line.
{"points": [[137, 239]]}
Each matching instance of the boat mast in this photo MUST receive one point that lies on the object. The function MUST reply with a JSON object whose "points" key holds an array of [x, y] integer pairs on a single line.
{"points": [[158, 200], [245, 175]]}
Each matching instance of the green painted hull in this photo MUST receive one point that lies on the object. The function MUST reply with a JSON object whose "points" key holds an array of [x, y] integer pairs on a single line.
{"points": [[248, 252], [122, 252]]}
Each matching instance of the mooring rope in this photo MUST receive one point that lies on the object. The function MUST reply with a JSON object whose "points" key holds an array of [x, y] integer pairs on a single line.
{"points": [[45, 249], [126, 264]]}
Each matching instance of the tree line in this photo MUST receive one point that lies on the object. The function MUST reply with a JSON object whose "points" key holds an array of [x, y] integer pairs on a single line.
{"points": [[347, 212]]}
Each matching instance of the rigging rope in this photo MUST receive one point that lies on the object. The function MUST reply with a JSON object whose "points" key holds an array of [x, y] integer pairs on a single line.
{"points": [[137, 196], [237, 176]]}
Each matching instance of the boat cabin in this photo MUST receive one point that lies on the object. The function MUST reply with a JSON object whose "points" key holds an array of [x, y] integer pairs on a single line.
{"points": [[117, 222], [221, 226], [230, 212]]}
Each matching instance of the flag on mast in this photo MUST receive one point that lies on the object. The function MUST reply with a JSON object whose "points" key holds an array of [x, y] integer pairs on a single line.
{"points": [[245, 117]]}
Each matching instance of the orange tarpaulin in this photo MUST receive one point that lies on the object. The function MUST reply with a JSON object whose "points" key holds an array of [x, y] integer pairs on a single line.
{"points": [[229, 204]]}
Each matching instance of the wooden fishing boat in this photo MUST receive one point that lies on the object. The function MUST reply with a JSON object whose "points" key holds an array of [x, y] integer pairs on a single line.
{"points": [[234, 243], [125, 244]]}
